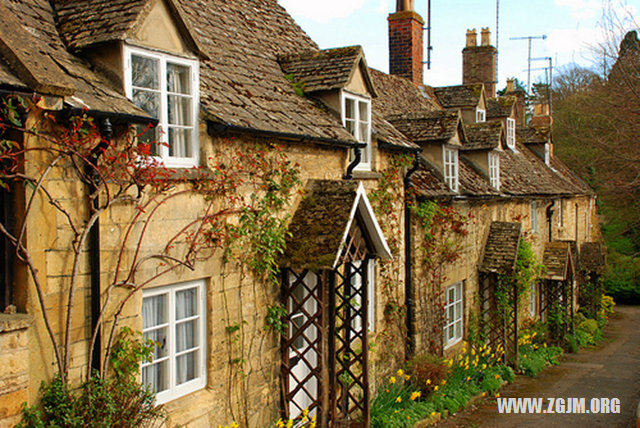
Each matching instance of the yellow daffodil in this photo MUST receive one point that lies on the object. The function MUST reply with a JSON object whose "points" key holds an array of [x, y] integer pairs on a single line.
{"points": [[400, 372], [432, 414], [289, 423], [392, 380], [415, 395], [407, 377], [484, 366], [473, 351], [435, 388], [234, 425], [497, 376], [428, 381], [484, 394], [497, 395], [280, 424], [444, 381], [399, 399]]}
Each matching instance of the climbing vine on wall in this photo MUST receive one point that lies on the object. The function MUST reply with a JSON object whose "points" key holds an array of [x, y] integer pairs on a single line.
{"points": [[387, 202], [440, 244]]}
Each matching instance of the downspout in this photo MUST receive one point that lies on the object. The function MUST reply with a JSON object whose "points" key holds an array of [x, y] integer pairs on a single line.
{"points": [[550, 210], [106, 131], [357, 156], [408, 289]]}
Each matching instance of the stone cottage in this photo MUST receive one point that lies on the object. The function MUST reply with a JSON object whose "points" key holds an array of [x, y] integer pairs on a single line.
{"points": [[220, 80]]}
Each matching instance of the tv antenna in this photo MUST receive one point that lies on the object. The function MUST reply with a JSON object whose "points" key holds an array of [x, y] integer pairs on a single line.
{"points": [[529, 39]]}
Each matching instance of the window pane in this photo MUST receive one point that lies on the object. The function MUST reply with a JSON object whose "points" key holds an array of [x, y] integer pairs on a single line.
{"points": [[458, 310], [180, 143], [364, 134], [178, 78], [186, 305], [350, 108], [186, 367], [296, 323], [452, 294], [351, 127], [179, 110], [149, 135], [458, 329], [159, 336], [154, 311], [186, 335], [156, 376], [144, 72], [364, 111], [450, 315], [148, 101]]}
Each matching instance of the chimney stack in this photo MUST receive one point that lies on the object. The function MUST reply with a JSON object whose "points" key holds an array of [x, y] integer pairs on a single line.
{"points": [[519, 96], [405, 42], [479, 62]]}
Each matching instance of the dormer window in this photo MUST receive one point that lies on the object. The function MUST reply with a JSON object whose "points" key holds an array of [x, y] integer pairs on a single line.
{"points": [[480, 115], [451, 168], [494, 170], [167, 88], [511, 133], [547, 154], [356, 117]]}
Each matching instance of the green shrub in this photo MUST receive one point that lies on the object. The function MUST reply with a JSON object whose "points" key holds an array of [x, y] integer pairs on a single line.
{"points": [[119, 401], [533, 358], [590, 326]]}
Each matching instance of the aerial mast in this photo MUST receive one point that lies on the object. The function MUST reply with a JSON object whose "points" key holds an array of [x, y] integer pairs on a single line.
{"points": [[529, 39]]}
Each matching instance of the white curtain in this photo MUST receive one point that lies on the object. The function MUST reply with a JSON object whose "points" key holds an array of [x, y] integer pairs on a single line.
{"points": [[178, 81], [154, 313], [186, 335]]}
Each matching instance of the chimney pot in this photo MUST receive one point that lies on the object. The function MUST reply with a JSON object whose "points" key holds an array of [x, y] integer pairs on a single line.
{"points": [[472, 38], [486, 37], [511, 85], [404, 5]]}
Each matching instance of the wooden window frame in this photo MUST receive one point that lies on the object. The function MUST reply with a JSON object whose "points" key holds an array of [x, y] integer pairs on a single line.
{"points": [[450, 167], [458, 288], [366, 161], [175, 391], [164, 59], [511, 133]]}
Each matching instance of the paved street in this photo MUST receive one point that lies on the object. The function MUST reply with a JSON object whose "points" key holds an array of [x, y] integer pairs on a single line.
{"points": [[611, 370]]}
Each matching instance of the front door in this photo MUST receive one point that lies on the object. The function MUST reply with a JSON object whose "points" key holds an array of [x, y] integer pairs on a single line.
{"points": [[302, 343]]}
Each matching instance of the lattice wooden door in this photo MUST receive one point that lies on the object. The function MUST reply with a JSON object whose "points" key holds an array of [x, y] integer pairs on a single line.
{"points": [[348, 306], [557, 302], [302, 346], [499, 326]]}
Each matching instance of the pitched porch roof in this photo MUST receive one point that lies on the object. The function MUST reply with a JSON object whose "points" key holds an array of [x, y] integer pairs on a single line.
{"points": [[501, 249], [558, 260], [318, 231], [592, 257]]}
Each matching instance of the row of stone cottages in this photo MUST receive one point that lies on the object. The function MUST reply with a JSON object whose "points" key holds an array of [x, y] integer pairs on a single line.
{"points": [[223, 80]]}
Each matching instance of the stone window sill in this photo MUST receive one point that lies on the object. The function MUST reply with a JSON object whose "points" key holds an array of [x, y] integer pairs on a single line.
{"points": [[14, 322]]}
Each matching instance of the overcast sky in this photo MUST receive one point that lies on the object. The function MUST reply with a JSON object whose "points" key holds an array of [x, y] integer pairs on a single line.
{"points": [[571, 28]]}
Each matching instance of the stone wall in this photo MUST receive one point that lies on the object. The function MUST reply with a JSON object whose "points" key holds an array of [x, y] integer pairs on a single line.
{"points": [[14, 367]]}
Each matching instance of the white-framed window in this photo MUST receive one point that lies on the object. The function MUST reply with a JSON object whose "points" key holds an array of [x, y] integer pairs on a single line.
{"points": [[453, 309], [356, 117], [494, 170], [480, 115], [174, 318], [534, 216], [547, 154], [511, 133], [533, 299], [167, 88], [356, 282], [589, 213], [560, 212], [450, 168]]}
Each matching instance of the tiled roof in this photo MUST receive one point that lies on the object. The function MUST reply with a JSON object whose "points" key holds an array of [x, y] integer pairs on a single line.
{"points": [[397, 95], [325, 70], [531, 135], [592, 258], [429, 183], [459, 96], [501, 250], [472, 181], [523, 173], [500, 107], [317, 227], [388, 136], [242, 84], [482, 136], [557, 259], [577, 185], [80, 26], [41, 62], [427, 127]]}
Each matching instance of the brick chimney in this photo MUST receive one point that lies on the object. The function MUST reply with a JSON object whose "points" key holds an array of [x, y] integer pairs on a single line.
{"points": [[405, 42], [479, 62], [519, 96]]}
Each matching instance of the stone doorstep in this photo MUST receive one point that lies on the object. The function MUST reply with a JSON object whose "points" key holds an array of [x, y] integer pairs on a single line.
{"points": [[14, 322]]}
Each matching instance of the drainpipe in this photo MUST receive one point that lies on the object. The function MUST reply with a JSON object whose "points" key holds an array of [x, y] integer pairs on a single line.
{"points": [[408, 289], [550, 210], [106, 131], [357, 156]]}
